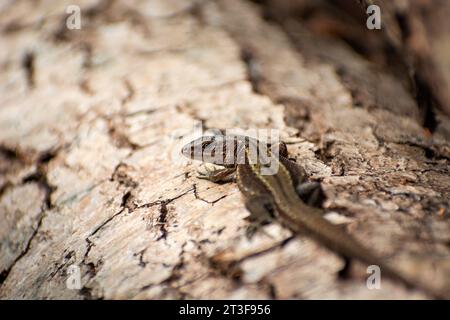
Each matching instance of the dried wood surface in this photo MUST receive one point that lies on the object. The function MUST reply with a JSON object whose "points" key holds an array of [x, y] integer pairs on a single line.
{"points": [[91, 122]]}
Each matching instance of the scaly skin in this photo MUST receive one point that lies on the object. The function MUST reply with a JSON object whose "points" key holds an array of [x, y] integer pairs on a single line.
{"points": [[278, 193]]}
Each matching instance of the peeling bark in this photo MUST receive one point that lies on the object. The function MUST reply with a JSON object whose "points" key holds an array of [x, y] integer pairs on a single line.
{"points": [[92, 122]]}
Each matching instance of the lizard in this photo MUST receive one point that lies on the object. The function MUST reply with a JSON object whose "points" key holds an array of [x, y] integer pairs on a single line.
{"points": [[286, 195]]}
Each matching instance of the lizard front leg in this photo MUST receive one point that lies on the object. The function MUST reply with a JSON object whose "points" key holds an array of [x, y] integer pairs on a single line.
{"points": [[309, 191], [214, 174]]}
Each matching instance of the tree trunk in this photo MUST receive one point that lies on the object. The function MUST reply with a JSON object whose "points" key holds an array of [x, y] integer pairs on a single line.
{"points": [[92, 121]]}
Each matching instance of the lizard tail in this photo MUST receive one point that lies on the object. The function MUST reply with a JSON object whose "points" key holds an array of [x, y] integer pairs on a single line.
{"points": [[338, 240]]}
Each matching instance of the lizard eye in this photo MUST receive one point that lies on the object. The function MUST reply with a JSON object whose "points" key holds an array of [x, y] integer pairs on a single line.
{"points": [[208, 141], [205, 143]]}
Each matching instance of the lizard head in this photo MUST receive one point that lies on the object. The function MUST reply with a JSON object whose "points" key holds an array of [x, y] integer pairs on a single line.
{"points": [[218, 149], [229, 150], [194, 149]]}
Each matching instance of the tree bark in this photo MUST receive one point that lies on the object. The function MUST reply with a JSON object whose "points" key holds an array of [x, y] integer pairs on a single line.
{"points": [[92, 121]]}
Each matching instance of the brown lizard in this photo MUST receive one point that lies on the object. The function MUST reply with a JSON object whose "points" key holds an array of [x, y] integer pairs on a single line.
{"points": [[284, 193]]}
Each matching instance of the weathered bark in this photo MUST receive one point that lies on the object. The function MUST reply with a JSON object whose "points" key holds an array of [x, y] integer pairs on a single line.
{"points": [[91, 122]]}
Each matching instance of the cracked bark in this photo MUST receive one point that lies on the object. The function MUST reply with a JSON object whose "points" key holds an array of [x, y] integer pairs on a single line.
{"points": [[90, 175]]}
